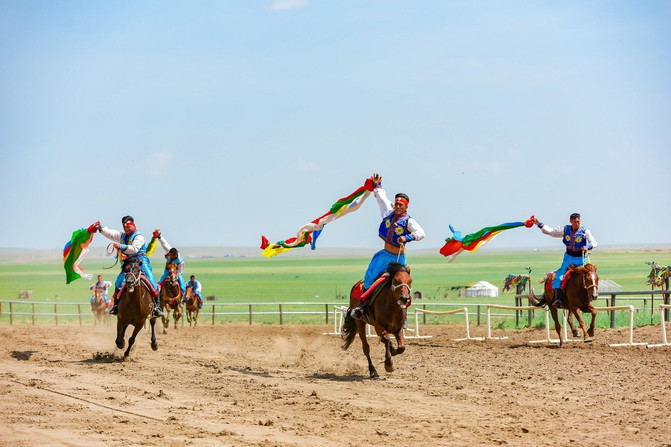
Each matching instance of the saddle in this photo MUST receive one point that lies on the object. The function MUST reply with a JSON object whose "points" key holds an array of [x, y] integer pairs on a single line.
{"points": [[154, 292], [362, 296], [548, 284]]}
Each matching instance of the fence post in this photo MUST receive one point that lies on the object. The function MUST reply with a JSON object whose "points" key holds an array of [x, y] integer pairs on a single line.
{"points": [[213, 306], [250, 314], [517, 312], [423, 316], [612, 312], [326, 312], [11, 314], [478, 315], [280, 314], [33, 305], [56, 313], [79, 311]]}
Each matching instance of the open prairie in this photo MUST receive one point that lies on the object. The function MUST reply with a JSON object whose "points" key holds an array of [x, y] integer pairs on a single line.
{"points": [[270, 385]]}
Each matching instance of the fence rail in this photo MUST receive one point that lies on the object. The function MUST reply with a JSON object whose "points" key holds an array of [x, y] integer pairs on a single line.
{"points": [[46, 312]]}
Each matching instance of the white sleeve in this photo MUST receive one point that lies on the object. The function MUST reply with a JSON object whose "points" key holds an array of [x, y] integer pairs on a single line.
{"points": [[385, 204], [590, 239], [166, 246], [199, 288], [113, 235], [416, 231], [554, 232], [180, 268]]}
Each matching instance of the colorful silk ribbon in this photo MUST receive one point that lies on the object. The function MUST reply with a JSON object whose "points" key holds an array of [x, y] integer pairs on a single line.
{"points": [[471, 242], [74, 253], [308, 233]]}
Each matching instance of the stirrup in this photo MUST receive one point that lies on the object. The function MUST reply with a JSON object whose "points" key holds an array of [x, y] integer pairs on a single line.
{"points": [[114, 310], [356, 313]]}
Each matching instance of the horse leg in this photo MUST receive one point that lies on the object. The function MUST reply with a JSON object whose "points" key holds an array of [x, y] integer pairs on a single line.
{"points": [[154, 343], [553, 311], [569, 319], [592, 310], [120, 334], [166, 319], [388, 347], [400, 341], [578, 315], [195, 318], [131, 340], [361, 329]]}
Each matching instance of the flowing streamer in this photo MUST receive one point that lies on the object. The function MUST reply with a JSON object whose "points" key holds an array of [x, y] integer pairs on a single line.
{"points": [[471, 242], [74, 253], [308, 233]]}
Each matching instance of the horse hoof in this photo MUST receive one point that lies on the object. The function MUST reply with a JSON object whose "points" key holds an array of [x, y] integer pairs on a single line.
{"points": [[374, 374], [590, 333], [389, 368], [154, 347], [120, 344]]}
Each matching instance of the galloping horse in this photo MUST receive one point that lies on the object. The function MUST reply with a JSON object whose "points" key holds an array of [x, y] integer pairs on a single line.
{"points": [[135, 305], [191, 306], [582, 287], [98, 306], [171, 296], [386, 313]]}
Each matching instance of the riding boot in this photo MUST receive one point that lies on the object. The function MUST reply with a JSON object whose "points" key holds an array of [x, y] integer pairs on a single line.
{"points": [[115, 297], [157, 311], [558, 298], [200, 304]]}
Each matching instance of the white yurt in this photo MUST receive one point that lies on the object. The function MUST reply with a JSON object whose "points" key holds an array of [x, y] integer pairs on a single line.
{"points": [[480, 288]]}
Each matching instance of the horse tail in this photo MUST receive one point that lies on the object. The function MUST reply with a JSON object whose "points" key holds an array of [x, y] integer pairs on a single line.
{"points": [[349, 331], [536, 301]]}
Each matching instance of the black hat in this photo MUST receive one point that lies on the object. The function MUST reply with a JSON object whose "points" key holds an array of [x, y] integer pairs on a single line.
{"points": [[125, 219], [575, 216]]}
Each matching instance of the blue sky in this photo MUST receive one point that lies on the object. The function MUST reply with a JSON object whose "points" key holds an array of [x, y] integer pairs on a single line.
{"points": [[222, 121]]}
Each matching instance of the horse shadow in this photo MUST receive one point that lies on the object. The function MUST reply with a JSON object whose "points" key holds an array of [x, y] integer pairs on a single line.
{"points": [[22, 355]]}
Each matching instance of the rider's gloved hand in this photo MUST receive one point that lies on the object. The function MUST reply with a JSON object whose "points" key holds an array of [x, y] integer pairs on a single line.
{"points": [[95, 226]]}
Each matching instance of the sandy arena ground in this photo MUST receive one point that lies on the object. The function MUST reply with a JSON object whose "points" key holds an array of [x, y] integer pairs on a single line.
{"points": [[242, 385]]}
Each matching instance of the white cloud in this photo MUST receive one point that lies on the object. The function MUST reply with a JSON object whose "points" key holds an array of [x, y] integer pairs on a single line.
{"points": [[285, 5], [158, 162]]}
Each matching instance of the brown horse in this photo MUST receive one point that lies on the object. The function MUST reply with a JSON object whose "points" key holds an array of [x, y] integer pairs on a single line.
{"points": [[582, 287], [135, 304], [98, 306], [191, 306], [386, 313], [171, 297]]}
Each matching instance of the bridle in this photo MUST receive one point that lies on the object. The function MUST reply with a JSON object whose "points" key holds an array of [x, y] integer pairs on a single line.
{"points": [[402, 299], [594, 282], [132, 275]]}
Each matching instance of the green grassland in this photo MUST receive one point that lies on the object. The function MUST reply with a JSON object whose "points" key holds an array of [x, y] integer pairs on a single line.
{"points": [[328, 280]]}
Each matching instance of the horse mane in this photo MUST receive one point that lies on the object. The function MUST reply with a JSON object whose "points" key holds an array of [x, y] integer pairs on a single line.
{"points": [[392, 269], [585, 268]]}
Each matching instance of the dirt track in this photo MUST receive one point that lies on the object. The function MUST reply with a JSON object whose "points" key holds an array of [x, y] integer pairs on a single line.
{"points": [[293, 386]]}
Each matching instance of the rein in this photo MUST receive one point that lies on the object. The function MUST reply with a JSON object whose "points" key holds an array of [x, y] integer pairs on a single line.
{"points": [[109, 252]]}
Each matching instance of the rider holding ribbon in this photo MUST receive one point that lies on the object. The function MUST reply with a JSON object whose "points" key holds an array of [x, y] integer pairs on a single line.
{"points": [[396, 229], [131, 244], [578, 241]]}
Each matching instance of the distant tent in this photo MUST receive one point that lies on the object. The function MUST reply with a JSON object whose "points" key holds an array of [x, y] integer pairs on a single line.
{"points": [[607, 286], [480, 288]]}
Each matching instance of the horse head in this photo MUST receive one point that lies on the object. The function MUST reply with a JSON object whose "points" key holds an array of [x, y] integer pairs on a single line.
{"points": [[131, 270], [400, 282], [590, 281], [172, 273]]}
